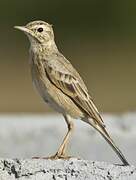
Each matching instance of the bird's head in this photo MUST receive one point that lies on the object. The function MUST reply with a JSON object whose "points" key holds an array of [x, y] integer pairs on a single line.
{"points": [[38, 32]]}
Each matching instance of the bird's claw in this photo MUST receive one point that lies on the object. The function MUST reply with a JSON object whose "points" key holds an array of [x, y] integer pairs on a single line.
{"points": [[54, 157]]}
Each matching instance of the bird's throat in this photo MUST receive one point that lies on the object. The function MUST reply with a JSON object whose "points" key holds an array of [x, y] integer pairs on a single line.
{"points": [[44, 48]]}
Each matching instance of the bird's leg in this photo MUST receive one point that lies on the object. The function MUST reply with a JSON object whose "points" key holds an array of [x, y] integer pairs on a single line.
{"points": [[62, 149]]}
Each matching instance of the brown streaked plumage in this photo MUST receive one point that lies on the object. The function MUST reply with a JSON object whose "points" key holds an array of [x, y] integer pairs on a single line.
{"points": [[60, 85]]}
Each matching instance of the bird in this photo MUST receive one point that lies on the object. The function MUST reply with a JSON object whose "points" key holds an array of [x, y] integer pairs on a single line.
{"points": [[61, 86]]}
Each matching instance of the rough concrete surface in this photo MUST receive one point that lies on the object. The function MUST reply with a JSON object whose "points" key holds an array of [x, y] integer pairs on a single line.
{"points": [[25, 136], [72, 169]]}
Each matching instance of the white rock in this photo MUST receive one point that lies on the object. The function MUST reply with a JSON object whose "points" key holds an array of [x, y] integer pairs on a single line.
{"points": [[71, 169]]}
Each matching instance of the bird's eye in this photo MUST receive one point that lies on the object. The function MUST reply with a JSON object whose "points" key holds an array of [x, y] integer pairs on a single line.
{"points": [[40, 29]]}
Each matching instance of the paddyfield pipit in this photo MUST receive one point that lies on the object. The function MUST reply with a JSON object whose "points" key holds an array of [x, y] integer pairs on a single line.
{"points": [[60, 85]]}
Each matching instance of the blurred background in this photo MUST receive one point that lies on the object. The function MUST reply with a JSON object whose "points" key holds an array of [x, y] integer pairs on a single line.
{"points": [[98, 37]]}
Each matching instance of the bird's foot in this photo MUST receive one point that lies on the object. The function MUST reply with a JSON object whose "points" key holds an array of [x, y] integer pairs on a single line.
{"points": [[54, 157], [58, 156]]}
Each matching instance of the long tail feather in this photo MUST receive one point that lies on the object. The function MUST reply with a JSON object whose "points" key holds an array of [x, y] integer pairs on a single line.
{"points": [[114, 147], [106, 136]]}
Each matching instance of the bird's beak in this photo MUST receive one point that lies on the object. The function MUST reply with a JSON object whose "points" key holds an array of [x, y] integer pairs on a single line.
{"points": [[22, 28], [27, 31]]}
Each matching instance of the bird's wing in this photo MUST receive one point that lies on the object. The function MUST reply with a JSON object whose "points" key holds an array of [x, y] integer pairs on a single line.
{"points": [[62, 74]]}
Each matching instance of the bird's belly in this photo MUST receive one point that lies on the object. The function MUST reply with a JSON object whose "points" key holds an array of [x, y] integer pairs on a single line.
{"points": [[48, 95]]}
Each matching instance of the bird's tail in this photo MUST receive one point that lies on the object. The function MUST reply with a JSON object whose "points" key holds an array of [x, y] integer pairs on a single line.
{"points": [[106, 136]]}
